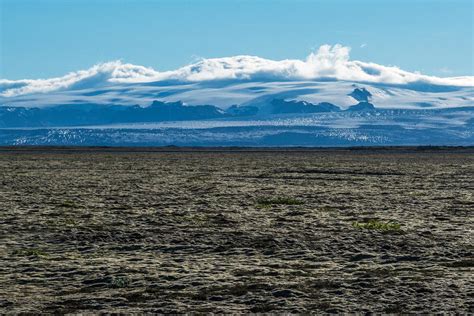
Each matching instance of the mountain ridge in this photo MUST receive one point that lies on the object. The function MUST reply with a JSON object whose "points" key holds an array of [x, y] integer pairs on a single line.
{"points": [[84, 114]]}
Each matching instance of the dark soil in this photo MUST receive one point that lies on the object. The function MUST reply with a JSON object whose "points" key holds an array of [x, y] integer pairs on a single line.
{"points": [[171, 231]]}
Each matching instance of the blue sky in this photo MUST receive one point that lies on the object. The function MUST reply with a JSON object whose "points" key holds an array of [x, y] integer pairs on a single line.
{"points": [[46, 38]]}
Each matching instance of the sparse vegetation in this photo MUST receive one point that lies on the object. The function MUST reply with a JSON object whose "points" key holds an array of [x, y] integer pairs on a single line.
{"points": [[268, 202], [30, 252], [119, 282], [70, 222], [195, 219], [377, 225], [62, 222]]}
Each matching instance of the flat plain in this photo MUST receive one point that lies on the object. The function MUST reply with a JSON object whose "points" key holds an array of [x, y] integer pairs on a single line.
{"points": [[174, 230]]}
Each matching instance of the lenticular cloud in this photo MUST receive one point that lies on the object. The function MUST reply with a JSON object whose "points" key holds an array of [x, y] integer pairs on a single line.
{"points": [[328, 62]]}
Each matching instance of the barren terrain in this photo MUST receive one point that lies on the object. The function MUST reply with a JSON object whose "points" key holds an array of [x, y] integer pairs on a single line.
{"points": [[185, 230]]}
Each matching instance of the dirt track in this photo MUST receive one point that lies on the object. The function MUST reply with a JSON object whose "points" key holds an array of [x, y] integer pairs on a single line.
{"points": [[283, 231]]}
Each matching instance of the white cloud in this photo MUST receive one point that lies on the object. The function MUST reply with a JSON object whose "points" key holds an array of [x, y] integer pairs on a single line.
{"points": [[327, 62], [98, 75]]}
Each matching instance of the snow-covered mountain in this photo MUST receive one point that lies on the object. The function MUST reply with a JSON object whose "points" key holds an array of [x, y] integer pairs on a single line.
{"points": [[326, 99]]}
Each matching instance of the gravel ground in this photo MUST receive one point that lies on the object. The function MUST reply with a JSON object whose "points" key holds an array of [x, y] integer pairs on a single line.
{"points": [[172, 230]]}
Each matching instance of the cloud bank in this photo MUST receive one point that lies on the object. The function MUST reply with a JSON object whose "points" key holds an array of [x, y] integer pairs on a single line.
{"points": [[328, 62]]}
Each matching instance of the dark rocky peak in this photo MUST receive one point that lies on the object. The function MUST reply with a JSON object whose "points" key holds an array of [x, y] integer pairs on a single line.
{"points": [[361, 94], [168, 104], [242, 110], [280, 106]]}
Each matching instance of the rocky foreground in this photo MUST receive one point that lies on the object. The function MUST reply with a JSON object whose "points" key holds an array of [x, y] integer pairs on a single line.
{"points": [[174, 230]]}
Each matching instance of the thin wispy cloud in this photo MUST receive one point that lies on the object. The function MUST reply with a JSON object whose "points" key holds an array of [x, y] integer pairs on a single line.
{"points": [[446, 70]]}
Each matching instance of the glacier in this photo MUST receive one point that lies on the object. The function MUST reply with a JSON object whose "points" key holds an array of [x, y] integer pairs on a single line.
{"points": [[325, 100]]}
